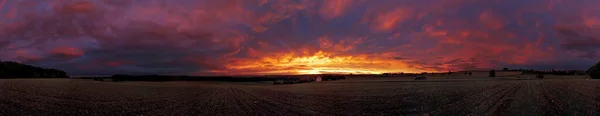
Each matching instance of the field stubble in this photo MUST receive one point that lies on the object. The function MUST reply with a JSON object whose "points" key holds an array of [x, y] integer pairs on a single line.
{"points": [[355, 96]]}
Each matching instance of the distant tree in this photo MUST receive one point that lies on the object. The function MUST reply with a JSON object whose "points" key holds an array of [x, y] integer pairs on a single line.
{"points": [[594, 71], [504, 69], [492, 73], [470, 73]]}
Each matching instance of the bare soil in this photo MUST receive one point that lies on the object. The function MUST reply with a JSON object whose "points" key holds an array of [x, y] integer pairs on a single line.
{"points": [[439, 95]]}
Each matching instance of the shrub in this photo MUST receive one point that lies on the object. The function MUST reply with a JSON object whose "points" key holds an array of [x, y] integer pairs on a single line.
{"points": [[420, 77], [540, 75]]}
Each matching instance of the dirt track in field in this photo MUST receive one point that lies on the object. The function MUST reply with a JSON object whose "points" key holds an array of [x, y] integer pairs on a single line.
{"points": [[348, 97]]}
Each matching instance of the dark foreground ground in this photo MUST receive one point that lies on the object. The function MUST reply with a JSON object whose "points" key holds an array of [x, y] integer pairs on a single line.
{"points": [[354, 96]]}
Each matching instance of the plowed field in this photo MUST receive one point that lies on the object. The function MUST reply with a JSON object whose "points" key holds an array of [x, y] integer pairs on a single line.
{"points": [[364, 96]]}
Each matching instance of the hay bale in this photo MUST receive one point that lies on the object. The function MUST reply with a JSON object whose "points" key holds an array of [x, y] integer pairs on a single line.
{"points": [[594, 71]]}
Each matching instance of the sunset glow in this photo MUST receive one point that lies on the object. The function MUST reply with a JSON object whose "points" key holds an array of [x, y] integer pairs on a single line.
{"points": [[321, 63]]}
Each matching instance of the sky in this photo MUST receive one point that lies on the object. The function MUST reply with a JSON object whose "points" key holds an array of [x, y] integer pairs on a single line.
{"points": [[256, 37]]}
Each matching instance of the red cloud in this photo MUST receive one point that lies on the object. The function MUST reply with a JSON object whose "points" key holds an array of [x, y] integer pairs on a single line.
{"points": [[334, 8], [67, 51], [80, 7], [490, 20], [253, 53], [387, 20], [26, 55], [11, 14]]}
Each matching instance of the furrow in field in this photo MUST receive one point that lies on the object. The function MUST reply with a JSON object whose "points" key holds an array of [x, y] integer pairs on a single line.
{"points": [[572, 101], [453, 103], [505, 100], [279, 101], [484, 102]]}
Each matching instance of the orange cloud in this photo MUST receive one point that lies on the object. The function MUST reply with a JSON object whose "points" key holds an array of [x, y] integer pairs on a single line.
{"points": [[342, 45], [263, 44], [259, 28], [325, 43]]}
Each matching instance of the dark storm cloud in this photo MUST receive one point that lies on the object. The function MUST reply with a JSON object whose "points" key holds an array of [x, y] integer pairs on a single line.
{"points": [[80, 36], [580, 39]]}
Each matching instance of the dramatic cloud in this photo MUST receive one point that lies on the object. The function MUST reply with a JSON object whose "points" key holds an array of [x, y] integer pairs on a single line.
{"points": [[249, 37]]}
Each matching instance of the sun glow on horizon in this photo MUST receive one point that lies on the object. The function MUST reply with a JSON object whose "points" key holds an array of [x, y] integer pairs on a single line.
{"points": [[321, 63], [333, 71]]}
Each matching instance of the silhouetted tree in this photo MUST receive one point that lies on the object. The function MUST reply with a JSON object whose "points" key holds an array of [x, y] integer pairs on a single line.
{"points": [[9, 69], [492, 73], [594, 71], [504, 69]]}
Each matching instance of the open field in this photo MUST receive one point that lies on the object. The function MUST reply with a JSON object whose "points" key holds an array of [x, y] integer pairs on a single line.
{"points": [[439, 95]]}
